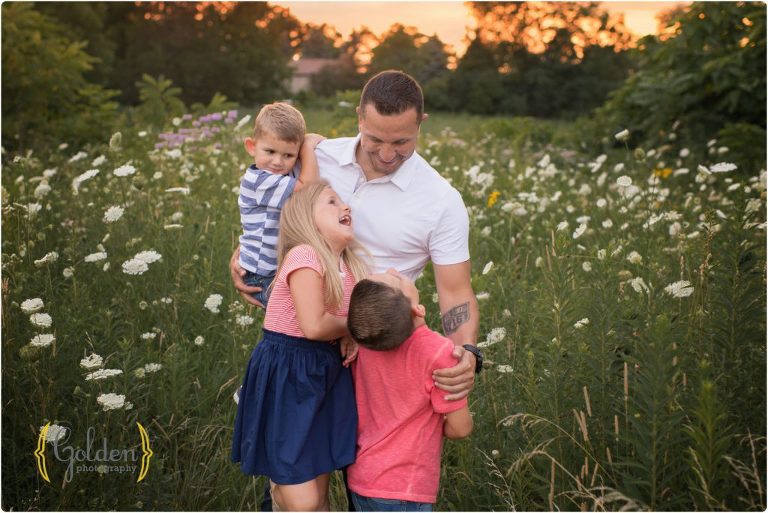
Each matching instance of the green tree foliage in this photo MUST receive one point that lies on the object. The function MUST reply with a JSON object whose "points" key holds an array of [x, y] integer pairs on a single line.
{"points": [[240, 49], [159, 100], [708, 75], [407, 49], [320, 41], [46, 96], [540, 59]]}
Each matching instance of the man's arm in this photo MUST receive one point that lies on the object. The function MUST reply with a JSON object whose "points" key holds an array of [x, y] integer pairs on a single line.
{"points": [[237, 273], [461, 320]]}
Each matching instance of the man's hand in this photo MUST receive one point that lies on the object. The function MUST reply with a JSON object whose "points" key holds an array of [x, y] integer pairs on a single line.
{"points": [[237, 274], [349, 350], [459, 379]]}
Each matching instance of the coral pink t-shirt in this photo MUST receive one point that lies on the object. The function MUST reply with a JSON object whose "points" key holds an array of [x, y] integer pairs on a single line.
{"points": [[400, 418], [281, 312]]}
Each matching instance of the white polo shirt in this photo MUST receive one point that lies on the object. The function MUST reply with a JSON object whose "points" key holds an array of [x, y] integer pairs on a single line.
{"points": [[404, 219]]}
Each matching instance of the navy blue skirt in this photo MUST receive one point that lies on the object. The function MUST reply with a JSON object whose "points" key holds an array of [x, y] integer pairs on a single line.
{"points": [[296, 418]]}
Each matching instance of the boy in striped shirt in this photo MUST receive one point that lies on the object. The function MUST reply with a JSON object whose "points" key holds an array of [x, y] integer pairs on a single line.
{"points": [[279, 141]]}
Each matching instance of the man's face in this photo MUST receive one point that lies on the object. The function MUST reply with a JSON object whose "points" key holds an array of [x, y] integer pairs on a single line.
{"points": [[386, 141]]}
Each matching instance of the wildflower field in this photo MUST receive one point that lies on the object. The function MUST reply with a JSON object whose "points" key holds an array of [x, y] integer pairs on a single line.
{"points": [[622, 299]]}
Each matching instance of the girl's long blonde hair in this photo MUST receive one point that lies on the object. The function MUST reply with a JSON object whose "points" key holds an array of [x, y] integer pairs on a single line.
{"points": [[297, 226]]}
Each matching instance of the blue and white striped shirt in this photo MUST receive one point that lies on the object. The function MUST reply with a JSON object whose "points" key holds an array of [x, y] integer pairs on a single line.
{"points": [[262, 196]]}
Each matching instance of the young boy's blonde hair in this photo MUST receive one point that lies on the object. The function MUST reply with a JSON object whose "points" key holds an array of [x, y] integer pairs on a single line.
{"points": [[297, 226], [282, 120]]}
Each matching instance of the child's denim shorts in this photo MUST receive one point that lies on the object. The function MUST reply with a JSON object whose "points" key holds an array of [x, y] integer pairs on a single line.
{"points": [[257, 280], [362, 503]]}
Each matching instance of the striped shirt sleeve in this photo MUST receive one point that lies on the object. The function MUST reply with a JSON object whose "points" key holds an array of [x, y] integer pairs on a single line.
{"points": [[264, 189]]}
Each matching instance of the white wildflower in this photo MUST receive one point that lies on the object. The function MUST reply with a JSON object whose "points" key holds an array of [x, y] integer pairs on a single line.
{"points": [[244, 320], [42, 189], [485, 232], [722, 167], [149, 257], [563, 225], [607, 224], [602, 203], [135, 266], [113, 402], [102, 374], [622, 136], [213, 302], [148, 336], [124, 170], [169, 227], [586, 266], [623, 181], [152, 367], [42, 320], [139, 373], [684, 153], [495, 336], [55, 433], [43, 340], [634, 257], [481, 296], [95, 257], [504, 369], [487, 267], [243, 121], [539, 262], [80, 155], [91, 362], [47, 259], [68, 272], [113, 214], [30, 306], [674, 229], [99, 161], [199, 340], [601, 254], [581, 323], [638, 285], [679, 289], [580, 230], [82, 178]]}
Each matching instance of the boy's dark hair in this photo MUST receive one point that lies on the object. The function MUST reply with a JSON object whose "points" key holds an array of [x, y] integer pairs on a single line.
{"points": [[379, 316], [393, 92]]}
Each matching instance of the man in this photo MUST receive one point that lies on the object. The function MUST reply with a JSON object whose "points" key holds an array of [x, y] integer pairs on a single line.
{"points": [[404, 212]]}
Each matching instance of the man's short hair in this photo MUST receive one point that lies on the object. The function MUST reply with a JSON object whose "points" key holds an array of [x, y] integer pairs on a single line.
{"points": [[379, 316], [393, 92], [281, 120]]}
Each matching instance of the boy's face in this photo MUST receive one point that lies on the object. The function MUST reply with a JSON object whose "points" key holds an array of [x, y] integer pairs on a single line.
{"points": [[272, 154], [399, 282]]}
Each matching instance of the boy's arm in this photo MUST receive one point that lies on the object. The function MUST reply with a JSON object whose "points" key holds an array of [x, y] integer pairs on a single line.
{"points": [[458, 424], [310, 171]]}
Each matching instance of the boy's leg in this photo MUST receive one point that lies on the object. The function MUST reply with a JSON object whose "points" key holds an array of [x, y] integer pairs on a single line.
{"points": [[363, 503]]}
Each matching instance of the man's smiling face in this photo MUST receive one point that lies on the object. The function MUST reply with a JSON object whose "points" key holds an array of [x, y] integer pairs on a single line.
{"points": [[386, 141]]}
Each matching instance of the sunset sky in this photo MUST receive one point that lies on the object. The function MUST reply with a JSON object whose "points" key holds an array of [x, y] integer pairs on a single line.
{"points": [[447, 19]]}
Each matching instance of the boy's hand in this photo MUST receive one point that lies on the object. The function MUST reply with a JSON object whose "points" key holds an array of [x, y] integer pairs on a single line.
{"points": [[459, 379], [237, 273], [311, 141], [349, 350]]}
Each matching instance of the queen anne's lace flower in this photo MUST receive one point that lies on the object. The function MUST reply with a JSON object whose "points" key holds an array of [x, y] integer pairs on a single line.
{"points": [[91, 362], [113, 214], [42, 320], [113, 402], [43, 340], [95, 257], [624, 181], [213, 302], [47, 259], [581, 323], [135, 266], [33, 305], [124, 170], [103, 374], [55, 433], [152, 367], [679, 289], [495, 336]]}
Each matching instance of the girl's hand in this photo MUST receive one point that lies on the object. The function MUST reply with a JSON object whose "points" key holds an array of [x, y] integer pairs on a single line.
{"points": [[349, 350]]}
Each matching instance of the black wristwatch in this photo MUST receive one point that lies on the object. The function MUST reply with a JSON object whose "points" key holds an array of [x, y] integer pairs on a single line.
{"points": [[478, 356]]}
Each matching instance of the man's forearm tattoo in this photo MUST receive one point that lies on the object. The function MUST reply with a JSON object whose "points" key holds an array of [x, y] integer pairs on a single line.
{"points": [[455, 317]]}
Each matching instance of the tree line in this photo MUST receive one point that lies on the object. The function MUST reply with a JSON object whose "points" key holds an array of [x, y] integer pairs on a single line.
{"points": [[70, 67]]}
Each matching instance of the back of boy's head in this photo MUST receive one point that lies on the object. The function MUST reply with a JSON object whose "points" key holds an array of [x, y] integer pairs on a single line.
{"points": [[379, 317], [281, 120]]}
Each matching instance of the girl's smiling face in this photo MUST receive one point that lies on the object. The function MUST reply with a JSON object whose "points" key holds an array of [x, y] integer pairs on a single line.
{"points": [[333, 219]]}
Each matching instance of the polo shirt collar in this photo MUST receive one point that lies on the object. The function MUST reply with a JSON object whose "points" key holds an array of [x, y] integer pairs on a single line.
{"points": [[402, 178]]}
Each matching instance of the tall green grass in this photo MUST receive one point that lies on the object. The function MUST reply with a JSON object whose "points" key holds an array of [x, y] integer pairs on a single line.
{"points": [[605, 391]]}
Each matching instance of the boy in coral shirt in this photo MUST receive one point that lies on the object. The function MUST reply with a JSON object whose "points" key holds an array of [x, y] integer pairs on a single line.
{"points": [[402, 416]]}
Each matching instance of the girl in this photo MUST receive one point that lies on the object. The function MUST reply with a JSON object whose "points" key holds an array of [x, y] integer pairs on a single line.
{"points": [[296, 418]]}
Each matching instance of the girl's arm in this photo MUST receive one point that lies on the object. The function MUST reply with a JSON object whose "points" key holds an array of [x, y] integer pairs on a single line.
{"points": [[309, 299], [310, 171], [458, 424]]}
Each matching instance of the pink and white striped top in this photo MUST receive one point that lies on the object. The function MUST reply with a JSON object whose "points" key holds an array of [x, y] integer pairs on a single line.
{"points": [[281, 312]]}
